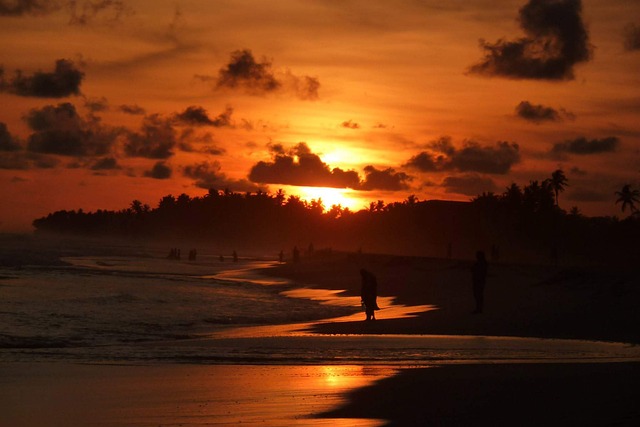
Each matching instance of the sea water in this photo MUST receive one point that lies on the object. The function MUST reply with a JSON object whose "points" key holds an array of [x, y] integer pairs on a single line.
{"points": [[149, 310]]}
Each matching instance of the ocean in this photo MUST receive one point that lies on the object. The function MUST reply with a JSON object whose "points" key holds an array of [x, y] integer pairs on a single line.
{"points": [[147, 309]]}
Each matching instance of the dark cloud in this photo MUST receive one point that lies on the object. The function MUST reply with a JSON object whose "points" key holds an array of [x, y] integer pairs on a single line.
{"points": [[80, 12], [386, 180], [155, 140], [87, 11], [301, 167], [244, 73], [198, 116], [349, 124], [555, 40], [208, 175], [539, 113], [63, 81], [632, 37], [96, 105], [22, 160], [7, 141], [495, 160], [160, 170], [469, 184], [425, 162], [189, 136], [28, 7], [60, 130], [472, 157], [105, 163], [132, 109], [583, 146], [305, 87]]}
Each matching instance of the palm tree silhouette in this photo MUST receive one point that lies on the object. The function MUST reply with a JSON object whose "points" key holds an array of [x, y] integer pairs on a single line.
{"points": [[558, 183], [628, 197]]}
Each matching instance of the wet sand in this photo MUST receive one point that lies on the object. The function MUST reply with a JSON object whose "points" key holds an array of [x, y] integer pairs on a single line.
{"points": [[65, 394]]}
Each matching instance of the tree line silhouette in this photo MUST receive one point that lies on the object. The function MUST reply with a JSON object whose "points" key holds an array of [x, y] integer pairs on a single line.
{"points": [[525, 223]]}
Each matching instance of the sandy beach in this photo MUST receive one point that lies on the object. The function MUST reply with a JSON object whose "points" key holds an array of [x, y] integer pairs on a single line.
{"points": [[426, 360]]}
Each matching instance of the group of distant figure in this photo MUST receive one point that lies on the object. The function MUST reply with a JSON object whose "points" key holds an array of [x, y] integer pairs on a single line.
{"points": [[234, 257], [175, 253]]}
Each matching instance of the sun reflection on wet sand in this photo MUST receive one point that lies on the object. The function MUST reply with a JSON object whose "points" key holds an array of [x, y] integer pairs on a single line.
{"points": [[182, 394]]}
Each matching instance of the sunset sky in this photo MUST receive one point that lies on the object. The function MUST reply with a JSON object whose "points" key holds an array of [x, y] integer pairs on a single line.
{"points": [[103, 102]]}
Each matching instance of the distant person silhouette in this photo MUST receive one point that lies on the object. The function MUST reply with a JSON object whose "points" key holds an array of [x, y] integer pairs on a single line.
{"points": [[479, 278], [296, 255], [235, 256], [369, 293], [221, 258]]}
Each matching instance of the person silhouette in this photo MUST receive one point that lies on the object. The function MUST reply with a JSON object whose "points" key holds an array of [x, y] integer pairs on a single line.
{"points": [[235, 256], [296, 255], [369, 293], [479, 279]]}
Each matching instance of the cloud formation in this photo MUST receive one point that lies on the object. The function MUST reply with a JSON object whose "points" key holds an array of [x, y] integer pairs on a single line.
{"points": [[301, 167], [28, 7], [60, 130], [160, 170], [63, 81], [198, 116], [584, 146], [472, 157], [555, 41], [80, 12], [350, 124], [632, 37], [132, 109], [539, 113], [244, 73], [385, 179], [208, 175], [7, 141], [155, 140]]}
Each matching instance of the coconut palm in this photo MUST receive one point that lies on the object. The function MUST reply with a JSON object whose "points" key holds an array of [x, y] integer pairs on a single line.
{"points": [[558, 182], [628, 197]]}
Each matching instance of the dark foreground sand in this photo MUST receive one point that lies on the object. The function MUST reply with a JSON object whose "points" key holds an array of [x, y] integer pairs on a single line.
{"points": [[503, 395], [520, 300]]}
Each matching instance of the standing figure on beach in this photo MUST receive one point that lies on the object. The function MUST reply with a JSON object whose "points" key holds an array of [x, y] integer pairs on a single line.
{"points": [[479, 278], [296, 255], [369, 293]]}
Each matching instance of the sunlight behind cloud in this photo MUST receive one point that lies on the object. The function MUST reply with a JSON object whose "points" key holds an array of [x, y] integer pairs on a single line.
{"points": [[330, 196]]}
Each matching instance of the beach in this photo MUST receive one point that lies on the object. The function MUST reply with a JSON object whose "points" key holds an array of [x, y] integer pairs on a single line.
{"points": [[120, 336]]}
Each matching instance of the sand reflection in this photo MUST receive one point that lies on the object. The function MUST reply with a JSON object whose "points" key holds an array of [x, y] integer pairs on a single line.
{"points": [[389, 310], [180, 394]]}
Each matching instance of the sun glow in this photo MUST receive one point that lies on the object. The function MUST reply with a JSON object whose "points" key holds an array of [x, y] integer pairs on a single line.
{"points": [[329, 196]]}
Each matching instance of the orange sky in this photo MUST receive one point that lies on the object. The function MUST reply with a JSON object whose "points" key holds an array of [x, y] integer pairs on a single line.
{"points": [[352, 101]]}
